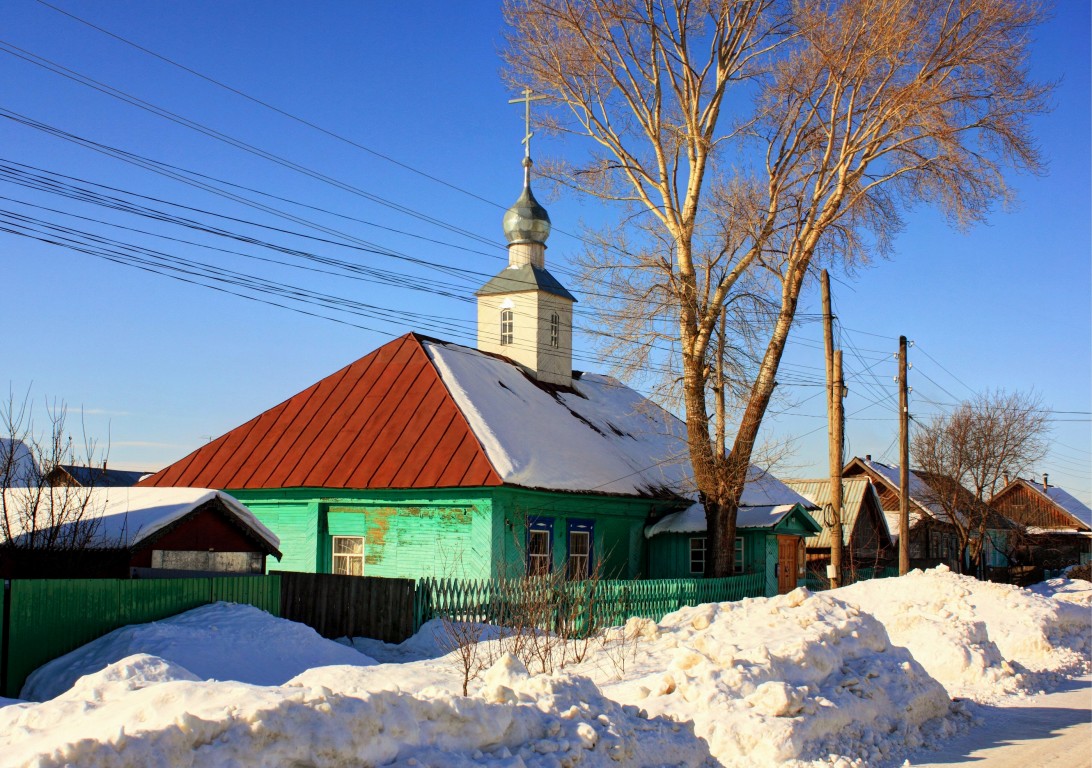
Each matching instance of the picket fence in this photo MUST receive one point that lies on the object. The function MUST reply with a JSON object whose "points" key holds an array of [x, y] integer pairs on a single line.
{"points": [[817, 582], [572, 606]]}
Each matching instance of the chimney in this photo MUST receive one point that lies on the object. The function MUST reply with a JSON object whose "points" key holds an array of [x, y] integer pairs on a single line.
{"points": [[868, 457], [1005, 476], [1046, 485]]}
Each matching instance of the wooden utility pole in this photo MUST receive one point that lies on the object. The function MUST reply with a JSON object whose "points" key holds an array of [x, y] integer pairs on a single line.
{"points": [[904, 464], [835, 393]]}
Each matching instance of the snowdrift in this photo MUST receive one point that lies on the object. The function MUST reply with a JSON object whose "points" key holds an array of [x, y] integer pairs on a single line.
{"points": [[979, 639], [222, 641]]}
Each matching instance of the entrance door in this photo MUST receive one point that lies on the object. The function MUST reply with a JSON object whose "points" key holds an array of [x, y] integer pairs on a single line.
{"points": [[786, 564]]}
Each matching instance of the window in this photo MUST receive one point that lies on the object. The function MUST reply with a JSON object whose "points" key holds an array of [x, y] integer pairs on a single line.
{"points": [[698, 550], [539, 546], [580, 549], [697, 555], [349, 555], [506, 327], [555, 330]]}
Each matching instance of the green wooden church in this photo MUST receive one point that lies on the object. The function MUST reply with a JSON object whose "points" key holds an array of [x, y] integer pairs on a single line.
{"points": [[427, 458]]}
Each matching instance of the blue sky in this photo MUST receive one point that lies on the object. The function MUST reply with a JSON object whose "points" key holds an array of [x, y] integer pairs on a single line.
{"points": [[159, 366]]}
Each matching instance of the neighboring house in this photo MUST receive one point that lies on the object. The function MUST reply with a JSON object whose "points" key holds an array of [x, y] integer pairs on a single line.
{"points": [[121, 532], [771, 525], [1056, 527], [426, 458], [933, 537], [18, 468], [866, 540], [94, 477]]}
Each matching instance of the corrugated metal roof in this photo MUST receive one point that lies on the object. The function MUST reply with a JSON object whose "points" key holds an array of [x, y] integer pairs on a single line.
{"points": [[384, 421], [855, 492]]}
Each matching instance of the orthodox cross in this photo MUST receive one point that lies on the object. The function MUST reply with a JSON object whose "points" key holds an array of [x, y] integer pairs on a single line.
{"points": [[528, 133]]}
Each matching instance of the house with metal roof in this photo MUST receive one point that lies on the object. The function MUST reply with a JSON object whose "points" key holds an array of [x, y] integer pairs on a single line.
{"points": [[1055, 526], [428, 458], [933, 536], [866, 540], [94, 477], [772, 524], [75, 532]]}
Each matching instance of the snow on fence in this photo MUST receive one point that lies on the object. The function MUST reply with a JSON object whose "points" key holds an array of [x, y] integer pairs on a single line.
{"points": [[46, 618], [572, 607]]}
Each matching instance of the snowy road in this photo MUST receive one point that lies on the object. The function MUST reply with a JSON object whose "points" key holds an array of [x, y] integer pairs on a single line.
{"points": [[1049, 731]]}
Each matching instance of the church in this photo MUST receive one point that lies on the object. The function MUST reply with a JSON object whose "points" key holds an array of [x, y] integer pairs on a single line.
{"points": [[428, 458]]}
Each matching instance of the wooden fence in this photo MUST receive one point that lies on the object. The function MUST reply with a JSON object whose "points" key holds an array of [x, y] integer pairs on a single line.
{"points": [[572, 606], [349, 606], [47, 618], [818, 582]]}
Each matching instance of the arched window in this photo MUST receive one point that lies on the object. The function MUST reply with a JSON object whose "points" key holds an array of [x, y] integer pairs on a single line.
{"points": [[555, 330], [506, 326]]}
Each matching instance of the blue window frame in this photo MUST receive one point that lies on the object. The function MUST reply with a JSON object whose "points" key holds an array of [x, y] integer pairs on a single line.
{"points": [[581, 537]]}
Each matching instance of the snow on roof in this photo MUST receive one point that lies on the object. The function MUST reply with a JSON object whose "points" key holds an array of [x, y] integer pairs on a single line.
{"points": [[602, 437], [920, 492], [127, 516], [765, 501], [1067, 502], [24, 470]]}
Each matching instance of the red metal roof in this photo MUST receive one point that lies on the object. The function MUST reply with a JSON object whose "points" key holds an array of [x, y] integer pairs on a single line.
{"points": [[385, 421]]}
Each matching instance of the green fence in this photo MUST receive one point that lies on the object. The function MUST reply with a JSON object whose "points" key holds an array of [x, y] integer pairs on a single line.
{"points": [[46, 618], [817, 582], [573, 606]]}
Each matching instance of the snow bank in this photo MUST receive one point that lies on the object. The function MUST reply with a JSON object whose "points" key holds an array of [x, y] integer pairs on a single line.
{"points": [[979, 639], [1076, 591], [794, 677], [166, 718], [222, 641]]}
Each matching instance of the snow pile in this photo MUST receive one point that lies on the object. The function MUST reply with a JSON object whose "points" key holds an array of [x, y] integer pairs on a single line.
{"points": [[979, 639], [142, 711], [222, 641], [1076, 591], [767, 680]]}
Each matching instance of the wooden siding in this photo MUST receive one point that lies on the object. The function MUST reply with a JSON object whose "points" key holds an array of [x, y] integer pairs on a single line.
{"points": [[1031, 508], [297, 524], [384, 421]]}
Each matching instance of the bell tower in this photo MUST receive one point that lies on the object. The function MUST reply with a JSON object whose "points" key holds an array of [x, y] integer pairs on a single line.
{"points": [[524, 313]]}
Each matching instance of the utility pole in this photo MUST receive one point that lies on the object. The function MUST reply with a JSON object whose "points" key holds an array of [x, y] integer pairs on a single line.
{"points": [[835, 393], [904, 464]]}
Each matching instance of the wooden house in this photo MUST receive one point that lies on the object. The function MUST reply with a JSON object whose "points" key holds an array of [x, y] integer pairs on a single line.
{"points": [[933, 536], [1055, 528], [428, 458], [124, 532], [866, 540], [772, 524], [94, 477]]}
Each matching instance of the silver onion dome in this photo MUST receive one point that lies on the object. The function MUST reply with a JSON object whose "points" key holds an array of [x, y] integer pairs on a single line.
{"points": [[526, 221]]}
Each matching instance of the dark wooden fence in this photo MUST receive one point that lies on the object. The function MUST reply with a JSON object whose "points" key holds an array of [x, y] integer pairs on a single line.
{"points": [[349, 606]]}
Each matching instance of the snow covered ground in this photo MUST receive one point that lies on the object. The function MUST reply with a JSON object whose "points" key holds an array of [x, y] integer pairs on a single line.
{"points": [[862, 676]]}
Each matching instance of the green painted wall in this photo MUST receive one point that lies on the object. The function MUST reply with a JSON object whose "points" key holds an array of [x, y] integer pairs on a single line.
{"points": [[463, 533], [669, 553]]}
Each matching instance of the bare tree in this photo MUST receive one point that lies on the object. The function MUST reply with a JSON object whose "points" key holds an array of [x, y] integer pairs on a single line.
{"points": [[35, 514], [964, 457], [746, 139]]}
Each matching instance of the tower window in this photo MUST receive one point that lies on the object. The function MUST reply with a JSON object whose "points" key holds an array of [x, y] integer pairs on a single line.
{"points": [[506, 326], [555, 330]]}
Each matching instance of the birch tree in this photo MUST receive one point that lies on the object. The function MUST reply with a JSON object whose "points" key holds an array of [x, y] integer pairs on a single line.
{"points": [[744, 142]]}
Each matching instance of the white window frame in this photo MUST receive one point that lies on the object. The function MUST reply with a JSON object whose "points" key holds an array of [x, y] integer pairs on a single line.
{"points": [[507, 327], [580, 562], [342, 562]]}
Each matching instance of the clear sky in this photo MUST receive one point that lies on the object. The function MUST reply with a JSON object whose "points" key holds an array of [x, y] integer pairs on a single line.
{"points": [[159, 366]]}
